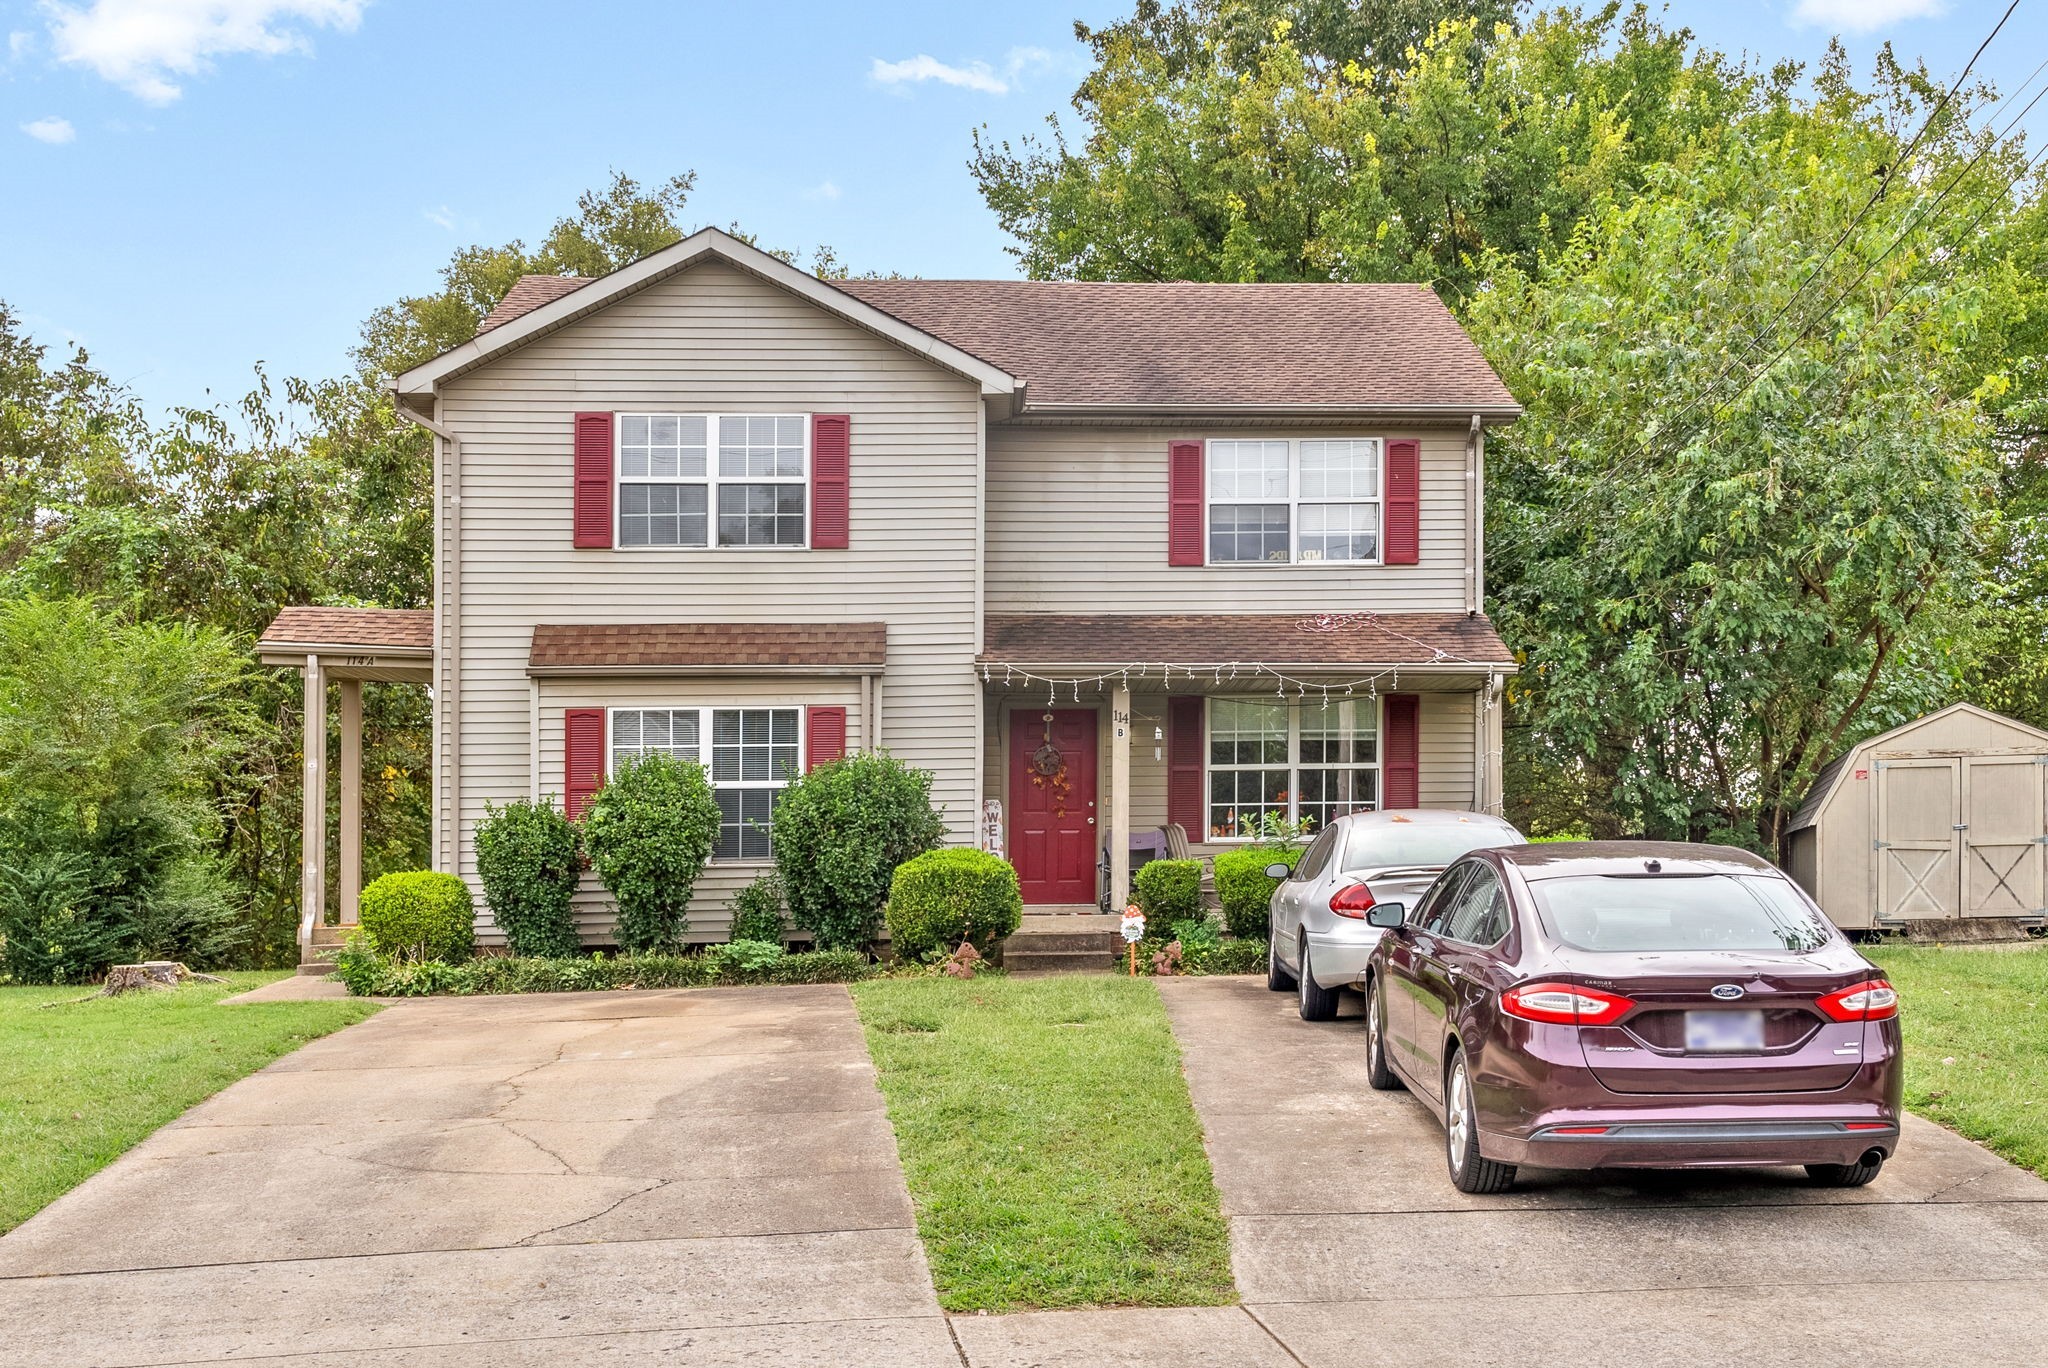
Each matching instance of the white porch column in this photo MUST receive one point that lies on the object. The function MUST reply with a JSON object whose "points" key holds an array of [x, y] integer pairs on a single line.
{"points": [[350, 883], [1119, 797], [313, 822]]}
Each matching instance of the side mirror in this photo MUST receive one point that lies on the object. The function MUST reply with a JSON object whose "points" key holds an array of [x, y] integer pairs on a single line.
{"points": [[1279, 871], [1386, 916]]}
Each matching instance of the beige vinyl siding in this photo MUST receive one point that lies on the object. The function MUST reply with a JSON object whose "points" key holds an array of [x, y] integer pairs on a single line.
{"points": [[1077, 523], [713, 339], [710, 911]]}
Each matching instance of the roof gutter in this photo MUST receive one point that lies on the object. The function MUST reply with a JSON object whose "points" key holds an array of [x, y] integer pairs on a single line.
{"points": [[1491, 415], [447, 633]]}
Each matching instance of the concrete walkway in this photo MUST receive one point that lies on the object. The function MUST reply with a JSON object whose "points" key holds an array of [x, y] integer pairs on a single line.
{"points": [[671, 1177], [1350, 1245]]}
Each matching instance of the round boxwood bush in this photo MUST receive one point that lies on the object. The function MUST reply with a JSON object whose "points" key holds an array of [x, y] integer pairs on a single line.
{"points": [[839, 833], [1245, 889], [649, 831], [420, 916], [757, 911], [944, 897], [1167, 891], [527, 856]]}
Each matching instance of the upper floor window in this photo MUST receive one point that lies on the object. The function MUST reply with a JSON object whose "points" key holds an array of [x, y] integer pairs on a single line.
{"points": [[1294, 501], [684, 477]]}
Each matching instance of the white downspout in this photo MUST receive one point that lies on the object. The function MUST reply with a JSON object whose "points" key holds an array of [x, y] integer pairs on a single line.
{"points": [[447, 637]]}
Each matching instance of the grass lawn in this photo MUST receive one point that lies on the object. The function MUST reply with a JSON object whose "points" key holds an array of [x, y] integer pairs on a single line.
{"points": [[80, 1083], [1976, 1027], [1049, 1142]]}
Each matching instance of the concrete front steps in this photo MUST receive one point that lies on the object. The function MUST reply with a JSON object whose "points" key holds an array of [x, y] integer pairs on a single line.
{"points": [[318, 958], [1064, 942]]}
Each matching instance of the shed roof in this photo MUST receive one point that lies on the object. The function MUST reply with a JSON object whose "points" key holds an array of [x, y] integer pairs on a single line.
{"points": [[1830, 774]]}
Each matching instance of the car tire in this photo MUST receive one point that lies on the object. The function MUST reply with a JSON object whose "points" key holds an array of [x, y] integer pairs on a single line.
{"points": [[1470, 1172], [1842, 1175], [1278, 980], [1315, 1002], [1378, 1076]]}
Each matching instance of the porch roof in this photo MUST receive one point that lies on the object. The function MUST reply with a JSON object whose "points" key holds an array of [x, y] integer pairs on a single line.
{"points": [[1336, 640], [353, 643], [708, 648]]}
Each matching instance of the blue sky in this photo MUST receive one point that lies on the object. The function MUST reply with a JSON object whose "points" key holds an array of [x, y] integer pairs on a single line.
{"points": [[188, 187]]}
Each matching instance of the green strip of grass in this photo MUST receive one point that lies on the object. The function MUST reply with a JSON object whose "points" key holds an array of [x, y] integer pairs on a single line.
{"points": [[1976, 1027], [1049, 1142], [82, 1081]]}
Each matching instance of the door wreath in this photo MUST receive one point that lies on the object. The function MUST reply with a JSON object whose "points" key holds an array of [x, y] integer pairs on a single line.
{"points": [[1049, 771]]}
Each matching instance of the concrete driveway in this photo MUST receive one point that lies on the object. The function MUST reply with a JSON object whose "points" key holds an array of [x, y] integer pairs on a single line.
{"points": [[1351, 1246], [657, 1177]]}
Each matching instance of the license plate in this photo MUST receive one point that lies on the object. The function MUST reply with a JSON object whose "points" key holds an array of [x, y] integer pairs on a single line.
{"points": [[1724, 1032]]}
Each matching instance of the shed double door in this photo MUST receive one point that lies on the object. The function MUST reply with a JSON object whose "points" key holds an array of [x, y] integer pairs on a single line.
{"points": [[1962, 836]]}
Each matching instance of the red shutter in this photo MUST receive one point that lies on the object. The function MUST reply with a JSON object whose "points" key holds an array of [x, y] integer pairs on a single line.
{"points": [[1184, 746], [824, 735], [1404, 502], [831, 481], [582, 758], [593, 515], [1401, 754], [1184, 508]]}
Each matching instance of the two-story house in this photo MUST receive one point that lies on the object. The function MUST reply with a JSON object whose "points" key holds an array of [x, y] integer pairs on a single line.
{"points": [[1101, 557]]}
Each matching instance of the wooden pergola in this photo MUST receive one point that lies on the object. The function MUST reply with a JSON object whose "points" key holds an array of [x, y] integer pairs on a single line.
{"points": [[345, 647]]}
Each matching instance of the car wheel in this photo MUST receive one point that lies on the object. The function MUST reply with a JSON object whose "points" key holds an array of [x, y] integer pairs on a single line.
{"points": [[1843, 1175], [1316, 1003], [1469, 1171], [1378, 1076], [1278, 979]]}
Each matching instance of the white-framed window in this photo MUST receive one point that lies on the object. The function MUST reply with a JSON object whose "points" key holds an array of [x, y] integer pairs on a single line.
{"points": [[1295, 501], [713, 479], [1291, 759], [750, 754]]}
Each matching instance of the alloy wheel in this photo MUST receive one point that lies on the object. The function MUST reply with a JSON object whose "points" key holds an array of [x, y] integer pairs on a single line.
{"points": [[1458, 1124]]}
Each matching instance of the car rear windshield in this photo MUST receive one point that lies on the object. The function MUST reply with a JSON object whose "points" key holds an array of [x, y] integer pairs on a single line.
{"points": [[1402, 845], [1678, 912]]}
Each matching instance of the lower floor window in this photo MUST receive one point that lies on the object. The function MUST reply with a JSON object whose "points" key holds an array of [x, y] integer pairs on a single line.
{"points": [[1273, 760], [749, 753]]}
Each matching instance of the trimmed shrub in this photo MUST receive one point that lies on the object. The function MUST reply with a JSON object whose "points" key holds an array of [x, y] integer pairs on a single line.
{"points": [[757, 911], [1167, 891], [649, 831], [839, 833], [526, 855], [1245, 890], [944, 897], [1232, 957], [50, 930], [420, 916], [369, 974]]}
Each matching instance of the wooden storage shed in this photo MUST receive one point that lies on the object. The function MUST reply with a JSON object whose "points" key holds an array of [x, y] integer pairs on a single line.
{"points": [[1943, 818]]}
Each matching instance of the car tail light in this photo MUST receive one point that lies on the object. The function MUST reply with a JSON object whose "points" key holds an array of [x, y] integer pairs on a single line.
{"points": [[1870, 1000], [1564, 1004], [1352, 901]]}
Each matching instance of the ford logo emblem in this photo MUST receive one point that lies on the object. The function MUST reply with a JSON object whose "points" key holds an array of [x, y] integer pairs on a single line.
{"points": [[1727, 992]]}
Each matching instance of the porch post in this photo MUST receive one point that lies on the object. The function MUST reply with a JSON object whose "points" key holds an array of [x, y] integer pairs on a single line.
{"points": [[350, 883], [1119, 797], [313, 822]]}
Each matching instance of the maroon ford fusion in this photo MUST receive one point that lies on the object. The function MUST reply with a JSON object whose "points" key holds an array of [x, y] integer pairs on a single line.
{"points": [[1633, 1005]]}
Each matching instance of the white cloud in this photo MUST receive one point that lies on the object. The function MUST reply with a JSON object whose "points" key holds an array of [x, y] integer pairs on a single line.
{"points": [[443, 217], [18, 44], [973, 76], [1861, 16], [52, 130], [141, 45], [823, 190]]}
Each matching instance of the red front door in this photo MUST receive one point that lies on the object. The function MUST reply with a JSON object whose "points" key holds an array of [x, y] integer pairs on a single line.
{"points": [[1053, 836]]}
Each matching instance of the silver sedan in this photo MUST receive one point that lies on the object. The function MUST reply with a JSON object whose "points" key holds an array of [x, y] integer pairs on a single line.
{"points": [[1320, 940]]}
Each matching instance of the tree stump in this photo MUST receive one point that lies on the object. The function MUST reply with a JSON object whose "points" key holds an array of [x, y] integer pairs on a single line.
{"points": [[151, 974]]}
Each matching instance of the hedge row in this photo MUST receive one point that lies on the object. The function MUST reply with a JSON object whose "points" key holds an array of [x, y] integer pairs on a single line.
{"points": [[369, 974]]}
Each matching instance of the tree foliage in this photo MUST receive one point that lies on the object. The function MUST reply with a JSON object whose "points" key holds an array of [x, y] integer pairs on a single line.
{"points": [[649, 831]]}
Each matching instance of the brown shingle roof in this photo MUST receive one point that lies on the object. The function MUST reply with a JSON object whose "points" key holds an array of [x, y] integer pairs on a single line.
{"points": [[1180, 345], [528, 294], [403, 628], [686, 645], [1186, 344], [1112, 640]]}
